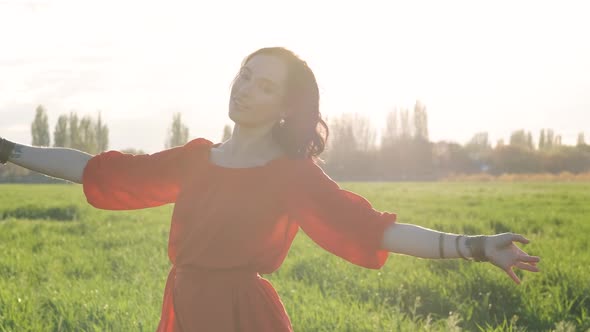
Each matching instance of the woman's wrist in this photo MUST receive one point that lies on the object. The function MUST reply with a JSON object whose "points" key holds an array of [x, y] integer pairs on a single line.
{"points": [[452, 246], [476, 247], [471, 247], [462, 250]]}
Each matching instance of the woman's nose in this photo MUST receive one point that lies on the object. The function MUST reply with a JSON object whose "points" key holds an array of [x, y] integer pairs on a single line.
{"points": [[244, 92], [242, 97], [247, 89]]}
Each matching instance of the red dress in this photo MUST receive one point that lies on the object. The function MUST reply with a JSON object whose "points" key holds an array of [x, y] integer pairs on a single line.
{"points": [[229, 225]]}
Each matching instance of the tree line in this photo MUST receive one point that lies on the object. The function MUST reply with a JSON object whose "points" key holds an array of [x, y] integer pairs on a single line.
{"points": [[404, 151], [92, 135], [84, 133], [356, 150]]}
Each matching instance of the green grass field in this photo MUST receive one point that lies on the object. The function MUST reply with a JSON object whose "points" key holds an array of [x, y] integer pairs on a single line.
{"points": [[66, 266]]}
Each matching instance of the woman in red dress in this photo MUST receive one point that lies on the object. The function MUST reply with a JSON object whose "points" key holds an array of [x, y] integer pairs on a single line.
{"points": [[240, 203]]}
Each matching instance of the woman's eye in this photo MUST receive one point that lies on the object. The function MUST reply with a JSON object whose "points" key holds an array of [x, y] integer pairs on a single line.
{"points": [[244, 76], [267, 89]]}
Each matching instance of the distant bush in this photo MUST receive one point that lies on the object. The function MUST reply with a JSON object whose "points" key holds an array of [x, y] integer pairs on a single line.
{"points": [[62, 213], [560, 177]]}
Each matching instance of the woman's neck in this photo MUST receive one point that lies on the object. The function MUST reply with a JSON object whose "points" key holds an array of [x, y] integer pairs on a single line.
{"points": [[247, 143]]}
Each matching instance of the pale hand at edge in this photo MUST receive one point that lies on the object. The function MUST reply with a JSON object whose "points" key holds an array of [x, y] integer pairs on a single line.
{"points": [[503, 253]]}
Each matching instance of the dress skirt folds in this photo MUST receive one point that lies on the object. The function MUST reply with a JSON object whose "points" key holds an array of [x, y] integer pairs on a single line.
{"points": [[230, 225]]}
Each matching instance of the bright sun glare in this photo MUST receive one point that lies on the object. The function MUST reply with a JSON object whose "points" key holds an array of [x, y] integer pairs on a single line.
{"points": [[496, 67]]}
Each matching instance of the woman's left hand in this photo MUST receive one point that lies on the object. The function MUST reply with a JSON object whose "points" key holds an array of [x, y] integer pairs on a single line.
{"points": [[501, 252]]}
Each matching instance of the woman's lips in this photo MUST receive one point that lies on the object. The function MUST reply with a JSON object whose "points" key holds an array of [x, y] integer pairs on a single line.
{"points": [[239, 104]]}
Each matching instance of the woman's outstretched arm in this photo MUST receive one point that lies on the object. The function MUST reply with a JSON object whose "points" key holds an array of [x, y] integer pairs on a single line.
{"points": [[422, 242], [63, 163], [418, 241]]}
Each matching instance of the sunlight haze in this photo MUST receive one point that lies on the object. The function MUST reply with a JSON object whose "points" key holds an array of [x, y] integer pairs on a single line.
{"points": [[494, 66]]}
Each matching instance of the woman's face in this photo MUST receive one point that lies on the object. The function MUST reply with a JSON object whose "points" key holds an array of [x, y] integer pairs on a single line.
{"points": [[258, 91]]}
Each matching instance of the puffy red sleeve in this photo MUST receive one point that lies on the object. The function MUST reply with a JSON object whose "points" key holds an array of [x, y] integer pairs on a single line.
{"points": [[113, 180], [340, 221]]}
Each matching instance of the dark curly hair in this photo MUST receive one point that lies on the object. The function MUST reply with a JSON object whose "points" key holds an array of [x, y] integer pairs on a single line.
{"points": [[302, 133]]}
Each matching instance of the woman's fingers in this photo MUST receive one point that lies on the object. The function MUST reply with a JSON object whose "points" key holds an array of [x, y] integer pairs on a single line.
{"points": [[527, 267], [519, 238], [529, 259], [506, 239], [512, 275]]}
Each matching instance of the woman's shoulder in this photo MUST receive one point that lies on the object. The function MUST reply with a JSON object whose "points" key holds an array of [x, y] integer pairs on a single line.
{"points": [[306, 165], [199, 142], [306, 171], [198, 147], [195, 150]]}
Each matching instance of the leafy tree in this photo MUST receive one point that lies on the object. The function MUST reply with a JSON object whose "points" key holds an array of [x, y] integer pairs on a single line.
{"points": [[406, 130], [87, 134], [480, 140], [581, 140], [391, 132], [361, 131], [479, 150], [549, 139], [515, 158], [519, 138], [557, 141], [342, 133], [178, 134], [343, 148], [40, 128], [133, 151], [61, 134], [420, 121], [102, 135], [74, 132], [542, 140]]}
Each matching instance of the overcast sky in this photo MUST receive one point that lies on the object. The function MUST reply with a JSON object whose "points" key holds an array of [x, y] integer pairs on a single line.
{"points": [[495, 66]]}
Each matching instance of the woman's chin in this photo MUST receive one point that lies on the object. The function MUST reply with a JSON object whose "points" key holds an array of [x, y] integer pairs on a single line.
{"points": [[238, 118]]}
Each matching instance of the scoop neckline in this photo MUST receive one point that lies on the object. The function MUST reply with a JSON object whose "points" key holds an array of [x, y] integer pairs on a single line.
{"points": [[213, 165]]}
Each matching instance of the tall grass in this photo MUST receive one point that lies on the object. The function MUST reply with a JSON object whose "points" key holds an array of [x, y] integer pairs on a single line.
{"points": [[65, 266]]}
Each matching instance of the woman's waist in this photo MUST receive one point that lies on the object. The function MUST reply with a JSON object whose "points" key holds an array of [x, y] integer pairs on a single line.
{"points": [[217, 273]]}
